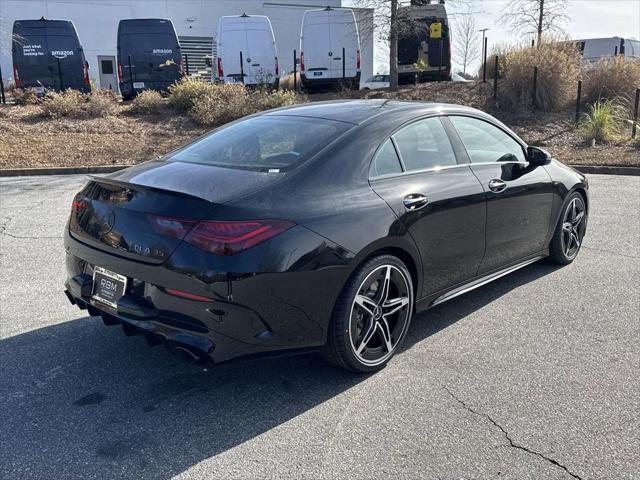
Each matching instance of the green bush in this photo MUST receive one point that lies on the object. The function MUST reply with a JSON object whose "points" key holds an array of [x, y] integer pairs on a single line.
{"points": [[184, 94], [604, 121], [612, 78], [147, 102]]}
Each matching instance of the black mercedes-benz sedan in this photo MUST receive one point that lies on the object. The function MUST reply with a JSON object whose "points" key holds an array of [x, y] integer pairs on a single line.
{"points": [[323, 227]]}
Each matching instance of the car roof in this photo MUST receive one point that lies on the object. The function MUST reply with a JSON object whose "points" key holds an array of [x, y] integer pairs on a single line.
{"points": [[359, 111]]}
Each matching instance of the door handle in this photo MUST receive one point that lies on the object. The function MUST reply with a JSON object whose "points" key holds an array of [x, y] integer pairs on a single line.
{"points": [[415, 201], [496, 185]]}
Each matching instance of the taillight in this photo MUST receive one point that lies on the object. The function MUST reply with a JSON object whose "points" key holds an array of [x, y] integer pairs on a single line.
{"points": [[277, 69], [220, 237], [120, 71], [85, 72], [220, 72], [16, 77], [79, 203], [358, 59], [301, 61]]}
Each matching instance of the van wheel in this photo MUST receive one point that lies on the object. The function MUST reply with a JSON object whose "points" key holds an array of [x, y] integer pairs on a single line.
{"points": [[372, 315]]}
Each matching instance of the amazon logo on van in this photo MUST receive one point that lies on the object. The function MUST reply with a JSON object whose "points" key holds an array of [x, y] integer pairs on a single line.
{"points": [[61, 53]]}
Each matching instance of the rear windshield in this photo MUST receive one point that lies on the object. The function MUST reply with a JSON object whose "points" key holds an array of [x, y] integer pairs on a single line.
{"points": [[266, 143]]}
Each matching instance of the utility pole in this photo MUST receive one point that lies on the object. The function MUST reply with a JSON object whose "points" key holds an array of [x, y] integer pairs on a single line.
{"points": [[484, 54], [483, 30]]}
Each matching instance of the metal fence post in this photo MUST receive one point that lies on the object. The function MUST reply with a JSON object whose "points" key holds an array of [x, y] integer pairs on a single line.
{"points": [[635, 114], [578, 98], [484, 62], [535, 87], [343, 66], [241, 68], [295, 68], [186, 63], [4, 100], [495, 78]]}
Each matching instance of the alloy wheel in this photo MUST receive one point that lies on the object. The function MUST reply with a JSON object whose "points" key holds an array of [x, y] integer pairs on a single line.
{"points": [[573, 225], [379, 314]]}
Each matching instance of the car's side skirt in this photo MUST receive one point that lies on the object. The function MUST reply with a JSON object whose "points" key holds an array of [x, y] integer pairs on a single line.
{"points": [[478, 282]]}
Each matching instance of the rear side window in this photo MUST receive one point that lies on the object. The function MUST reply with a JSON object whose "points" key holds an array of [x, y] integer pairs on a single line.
{"points": [[424, 145], [486, 143], [270, 142], [386, 161]]}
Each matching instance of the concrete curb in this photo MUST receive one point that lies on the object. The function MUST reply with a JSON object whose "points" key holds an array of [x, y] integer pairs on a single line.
{"points": [[26, 172], [607, 170]]}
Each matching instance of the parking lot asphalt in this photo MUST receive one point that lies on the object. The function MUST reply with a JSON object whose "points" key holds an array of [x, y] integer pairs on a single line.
{"points": [[534, 376]]}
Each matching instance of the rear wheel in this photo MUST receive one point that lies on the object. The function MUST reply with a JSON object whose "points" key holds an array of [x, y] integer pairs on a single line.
{"points": [[572, 225], [371, 316]]}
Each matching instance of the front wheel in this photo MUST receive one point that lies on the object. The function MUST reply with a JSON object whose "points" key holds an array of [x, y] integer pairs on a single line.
{"points": [[371, 316], [569, 233]]}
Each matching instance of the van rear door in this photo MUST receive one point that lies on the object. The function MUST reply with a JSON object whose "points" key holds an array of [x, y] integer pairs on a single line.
{"points": [[316, 44], [261, 52], [343, 33], [232, 39]]}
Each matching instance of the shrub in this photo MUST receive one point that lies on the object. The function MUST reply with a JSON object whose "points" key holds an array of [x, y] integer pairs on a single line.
{"points": [[278, 98], [148, 102], [184, 94], [603, 121], [222, 103], [100, 103], [75, 104], [558, 72], [69, 103], [611, 78], [24, 97]]}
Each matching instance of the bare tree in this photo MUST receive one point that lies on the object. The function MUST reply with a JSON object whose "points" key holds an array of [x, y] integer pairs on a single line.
{"points": [[467, 42], [535, 16], [393, 22]]}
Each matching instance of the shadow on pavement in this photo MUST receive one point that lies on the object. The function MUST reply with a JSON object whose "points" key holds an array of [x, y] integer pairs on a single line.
{"points": [[82, 400]]}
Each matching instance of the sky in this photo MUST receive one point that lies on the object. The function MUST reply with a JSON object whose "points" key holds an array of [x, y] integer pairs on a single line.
{"points": [[587, 19]]}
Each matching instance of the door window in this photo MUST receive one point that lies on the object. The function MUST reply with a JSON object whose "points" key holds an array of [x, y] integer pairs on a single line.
{"points": [[486, 143], [424, 145], [107, 67], [386, 161]]}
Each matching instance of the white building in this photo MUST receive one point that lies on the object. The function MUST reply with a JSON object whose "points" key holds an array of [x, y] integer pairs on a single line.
{"points": [[195, 21]]}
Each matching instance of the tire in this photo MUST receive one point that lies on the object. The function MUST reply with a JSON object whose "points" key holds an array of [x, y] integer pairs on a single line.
{"points": [[569, 233], [364, 311]]}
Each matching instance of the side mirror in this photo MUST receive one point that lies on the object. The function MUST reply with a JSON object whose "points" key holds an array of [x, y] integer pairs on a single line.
{"points": [[538, 156]]}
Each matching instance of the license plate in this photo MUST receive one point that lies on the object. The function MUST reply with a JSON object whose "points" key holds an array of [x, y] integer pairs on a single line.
{"points": [[138, 84], [108, 286], [317, 74]]}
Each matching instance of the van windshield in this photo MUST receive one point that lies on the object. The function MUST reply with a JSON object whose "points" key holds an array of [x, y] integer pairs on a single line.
{"points": [[266, 143]]}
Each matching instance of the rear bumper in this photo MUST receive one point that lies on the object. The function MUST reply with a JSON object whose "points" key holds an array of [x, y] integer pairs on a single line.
{"points": [[249, 313]]}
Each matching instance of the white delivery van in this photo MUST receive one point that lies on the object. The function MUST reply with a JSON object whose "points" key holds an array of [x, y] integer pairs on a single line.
{"points": [[248, 39], [325, 35], [593, 49]]}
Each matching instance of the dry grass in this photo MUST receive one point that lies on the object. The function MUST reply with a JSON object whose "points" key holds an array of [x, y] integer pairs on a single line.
{"points": [[75, 104], [148, 102], [186, 93], [612, 78], [23, 97], [27, 139], [558, 73]]}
